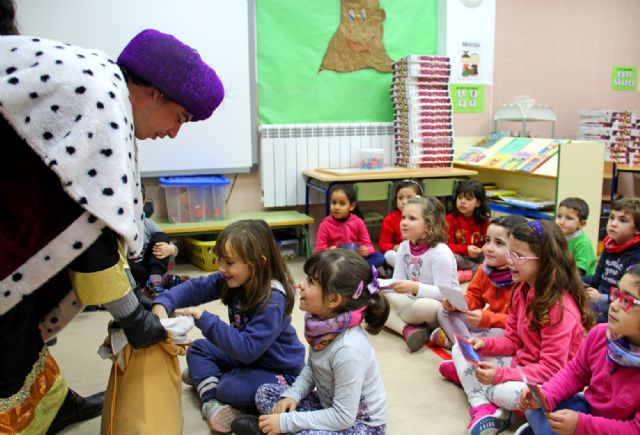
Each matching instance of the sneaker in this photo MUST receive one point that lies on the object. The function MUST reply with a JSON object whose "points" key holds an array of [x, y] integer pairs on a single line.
{"points": [[152, 291], [485, 421], [448, 371], [219, 416], [415, 336], [170, 280], [246, 425], [465, 275], [439, 338], [186, 377], [525, 429]]}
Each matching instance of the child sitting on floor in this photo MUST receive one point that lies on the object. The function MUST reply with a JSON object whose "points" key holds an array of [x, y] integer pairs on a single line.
{"points": [[259, 345], [349, 395], [488, 295], [468, 225], [571, 218], [608, 365], [344, 228], [390, 234]]}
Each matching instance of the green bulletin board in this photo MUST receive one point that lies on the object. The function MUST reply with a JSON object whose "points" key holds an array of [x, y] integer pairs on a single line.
{"points": [[624, 78], [292, 38], [467, 98]]}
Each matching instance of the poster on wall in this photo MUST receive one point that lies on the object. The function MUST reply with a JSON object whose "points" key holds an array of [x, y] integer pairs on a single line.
{"points": [[328, 61], [471, 63], [470, 39], [467, 98], [624, 78]]}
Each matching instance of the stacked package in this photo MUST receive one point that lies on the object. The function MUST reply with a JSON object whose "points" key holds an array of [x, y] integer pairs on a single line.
{"points": [[618, 129], [423, 121]]}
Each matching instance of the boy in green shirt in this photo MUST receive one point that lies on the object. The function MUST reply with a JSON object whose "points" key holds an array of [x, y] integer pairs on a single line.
{"points": [[571, 218]]}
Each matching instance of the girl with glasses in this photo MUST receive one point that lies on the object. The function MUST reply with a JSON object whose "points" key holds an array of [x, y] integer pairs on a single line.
{"points": [[547, 319], [608, 365]]}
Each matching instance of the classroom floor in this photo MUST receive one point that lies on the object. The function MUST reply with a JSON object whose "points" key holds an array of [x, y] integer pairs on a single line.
{"points": [[419, 400]]}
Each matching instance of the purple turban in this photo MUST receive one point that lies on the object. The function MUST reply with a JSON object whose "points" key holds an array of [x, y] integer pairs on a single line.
{"points": [[176, 70]]}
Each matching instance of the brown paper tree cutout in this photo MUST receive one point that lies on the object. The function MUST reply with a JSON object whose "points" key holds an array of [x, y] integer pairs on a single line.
{"points": [[357, 44]]}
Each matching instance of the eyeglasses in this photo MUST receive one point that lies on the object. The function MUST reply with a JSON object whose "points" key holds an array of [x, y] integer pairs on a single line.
{"points": [[625, 301], [515, 258]]}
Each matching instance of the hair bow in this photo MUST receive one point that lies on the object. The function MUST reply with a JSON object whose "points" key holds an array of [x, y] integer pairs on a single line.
{"points": [[373, 286]]}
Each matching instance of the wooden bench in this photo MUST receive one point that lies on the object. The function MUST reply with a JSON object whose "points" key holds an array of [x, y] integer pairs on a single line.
{"points": [[275, 219]]}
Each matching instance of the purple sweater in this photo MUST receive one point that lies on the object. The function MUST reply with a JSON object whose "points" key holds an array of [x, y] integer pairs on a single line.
{"points": [[261, 337], [612, 391], [542, 353], [332, 232]]}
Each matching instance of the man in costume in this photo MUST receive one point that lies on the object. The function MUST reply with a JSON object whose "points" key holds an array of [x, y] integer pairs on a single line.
{"points": [[71, 210]]}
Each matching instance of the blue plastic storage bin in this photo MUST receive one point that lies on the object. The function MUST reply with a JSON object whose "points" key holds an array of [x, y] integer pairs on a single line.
{"points": [[195, 199]]}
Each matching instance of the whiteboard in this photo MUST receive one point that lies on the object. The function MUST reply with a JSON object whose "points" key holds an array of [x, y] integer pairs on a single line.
{"points": [[223, 33]]}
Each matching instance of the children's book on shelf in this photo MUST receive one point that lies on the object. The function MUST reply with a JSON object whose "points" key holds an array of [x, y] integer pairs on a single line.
{"points": [[512, 154], [496, 193], [530, 202], [497, 161], [474, 155]]}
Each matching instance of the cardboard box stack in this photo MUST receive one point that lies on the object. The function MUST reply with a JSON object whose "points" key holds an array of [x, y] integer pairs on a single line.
{"points": [[423, 120], [618, 129]]}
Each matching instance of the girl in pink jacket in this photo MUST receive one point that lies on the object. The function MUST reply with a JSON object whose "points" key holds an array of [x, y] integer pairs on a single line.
{"points": [[608, 365], [546, 323], [344, 228]]}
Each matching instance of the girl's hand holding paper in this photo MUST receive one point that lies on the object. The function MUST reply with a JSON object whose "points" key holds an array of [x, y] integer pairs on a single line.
{"points": [[486, 372]]}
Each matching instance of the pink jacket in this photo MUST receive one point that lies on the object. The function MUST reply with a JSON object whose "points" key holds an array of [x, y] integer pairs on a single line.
{"points": [[612, 390], [332, 233], [540, 354]]}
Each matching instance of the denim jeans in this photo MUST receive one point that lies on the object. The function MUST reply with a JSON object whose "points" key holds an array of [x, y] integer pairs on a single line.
{"points": [[538, 421]]}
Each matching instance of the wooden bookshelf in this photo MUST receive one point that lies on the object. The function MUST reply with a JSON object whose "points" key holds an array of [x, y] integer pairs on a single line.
{"points": [[576, 170]]}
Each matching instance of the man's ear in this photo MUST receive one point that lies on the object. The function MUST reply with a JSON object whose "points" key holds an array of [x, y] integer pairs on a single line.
{"points": [[335, 300], [156, 94]]}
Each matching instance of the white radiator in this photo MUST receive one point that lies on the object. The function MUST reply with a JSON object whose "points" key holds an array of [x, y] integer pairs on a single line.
{"points": [[287, 149]]}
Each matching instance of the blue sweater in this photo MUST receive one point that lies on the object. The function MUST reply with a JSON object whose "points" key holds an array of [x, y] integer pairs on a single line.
{"points": [[262, 337], [610, 268]]}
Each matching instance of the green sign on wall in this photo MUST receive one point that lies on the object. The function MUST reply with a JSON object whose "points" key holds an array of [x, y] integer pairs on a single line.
{"points": [[467, 98], [292, 39], [624, 78]]}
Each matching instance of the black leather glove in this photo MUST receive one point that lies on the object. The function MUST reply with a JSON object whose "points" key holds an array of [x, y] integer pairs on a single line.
{"points": [[142, 328]]}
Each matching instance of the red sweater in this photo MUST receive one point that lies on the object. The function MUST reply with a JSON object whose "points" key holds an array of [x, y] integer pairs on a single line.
{"points": [[464, 231], [332, 232], [390, 234]]}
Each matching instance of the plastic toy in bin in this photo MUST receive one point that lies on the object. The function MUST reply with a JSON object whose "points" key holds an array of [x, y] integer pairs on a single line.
{"points": [[195, 199], [372, 158], [351, 246]]}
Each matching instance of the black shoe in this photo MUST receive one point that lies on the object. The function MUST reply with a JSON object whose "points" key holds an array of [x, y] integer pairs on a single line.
{"points": [[76, 408], [246, 425]]}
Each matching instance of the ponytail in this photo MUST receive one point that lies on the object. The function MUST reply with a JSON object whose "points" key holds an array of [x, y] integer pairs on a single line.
{"points": [[376, 313]]}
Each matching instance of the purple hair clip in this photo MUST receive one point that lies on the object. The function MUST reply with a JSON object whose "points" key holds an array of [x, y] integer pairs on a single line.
{"points": [[373, 286], [537, 227]]}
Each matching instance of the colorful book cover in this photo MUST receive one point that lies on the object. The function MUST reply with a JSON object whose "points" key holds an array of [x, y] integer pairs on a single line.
{"points": [[473, 155], [489, 141], [515, 145], [497, 160], [517, 160]]}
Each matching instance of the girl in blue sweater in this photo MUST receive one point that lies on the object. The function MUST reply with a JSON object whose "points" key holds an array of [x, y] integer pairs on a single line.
{"points": [[259, 345]]}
